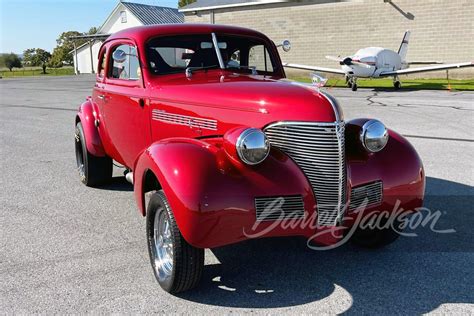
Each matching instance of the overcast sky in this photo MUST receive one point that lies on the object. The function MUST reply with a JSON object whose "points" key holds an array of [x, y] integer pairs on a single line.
{"points": [[37, 23]]}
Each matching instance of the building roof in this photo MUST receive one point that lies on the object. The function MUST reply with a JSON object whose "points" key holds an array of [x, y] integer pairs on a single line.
{"points": [[201, 5], [150, 14], [146, 14], [211, 3], [142, 34]]}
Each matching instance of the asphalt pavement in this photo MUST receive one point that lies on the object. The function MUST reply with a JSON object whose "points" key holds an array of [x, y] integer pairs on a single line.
{"points": [[66, 248]]}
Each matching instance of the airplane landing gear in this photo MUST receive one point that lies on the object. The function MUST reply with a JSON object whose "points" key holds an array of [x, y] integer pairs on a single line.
{"points": [[396, 83], [351, 83], [348, 81], [354, 84]]}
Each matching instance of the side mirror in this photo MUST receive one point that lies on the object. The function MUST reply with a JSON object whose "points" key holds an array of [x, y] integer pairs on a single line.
{"points": [[285, 45], [119, 56]]}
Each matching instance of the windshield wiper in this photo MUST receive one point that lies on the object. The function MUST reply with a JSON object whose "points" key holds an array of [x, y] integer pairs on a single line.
{"points": [[189, 70]]}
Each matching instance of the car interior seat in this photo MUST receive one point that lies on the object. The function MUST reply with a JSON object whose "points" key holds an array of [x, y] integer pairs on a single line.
{"points": [[157, 64], [207, 58]]}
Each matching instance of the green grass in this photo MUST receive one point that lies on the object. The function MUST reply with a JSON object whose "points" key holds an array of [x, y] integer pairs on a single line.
{"points": [[428, 84], [28, 72]]}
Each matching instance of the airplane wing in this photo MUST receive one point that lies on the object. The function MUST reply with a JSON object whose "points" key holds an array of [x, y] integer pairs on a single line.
{"points": [[426, 69], [425, 62], [313, 68]]}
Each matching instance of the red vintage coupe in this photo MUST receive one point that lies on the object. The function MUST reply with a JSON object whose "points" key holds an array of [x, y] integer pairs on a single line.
{"points": [[226, 149]]}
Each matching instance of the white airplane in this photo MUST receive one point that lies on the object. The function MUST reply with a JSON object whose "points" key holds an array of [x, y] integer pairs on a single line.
{"points": [[377, 62]]}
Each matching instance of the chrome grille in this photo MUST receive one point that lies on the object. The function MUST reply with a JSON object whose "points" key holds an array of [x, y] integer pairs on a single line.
{"points": [[318, 149], [366, 195], [279, 208]]}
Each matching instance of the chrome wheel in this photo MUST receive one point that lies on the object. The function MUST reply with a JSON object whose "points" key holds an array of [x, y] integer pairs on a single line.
{"points": [[163, 245], [176, 264]]}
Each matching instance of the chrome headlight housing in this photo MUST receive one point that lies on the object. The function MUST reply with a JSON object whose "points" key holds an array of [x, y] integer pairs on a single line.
{"points": [[374, 136], [252, 146]]}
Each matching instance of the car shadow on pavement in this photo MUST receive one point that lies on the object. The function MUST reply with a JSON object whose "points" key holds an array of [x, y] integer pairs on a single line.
{"points": [[117, 184], [412, 275]]}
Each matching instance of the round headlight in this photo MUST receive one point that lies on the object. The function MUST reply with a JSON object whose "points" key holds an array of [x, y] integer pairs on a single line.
{"points": [[252, 146], [374, 136]]}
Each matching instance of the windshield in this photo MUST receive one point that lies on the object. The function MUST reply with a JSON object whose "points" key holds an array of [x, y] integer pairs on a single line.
{"points": [[173, 54]]}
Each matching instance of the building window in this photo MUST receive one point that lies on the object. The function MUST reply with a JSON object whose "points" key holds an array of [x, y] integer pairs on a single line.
{"points": [[123, 16]]}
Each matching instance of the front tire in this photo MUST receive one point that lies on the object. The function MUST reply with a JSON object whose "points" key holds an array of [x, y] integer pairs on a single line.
{"points": [[177, 265], [377, 237], [93, 170], [354, 86]]}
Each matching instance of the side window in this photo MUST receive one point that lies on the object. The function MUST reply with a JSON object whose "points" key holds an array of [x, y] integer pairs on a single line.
{"points": [[259, 58], [125, 64], [102, 64]]}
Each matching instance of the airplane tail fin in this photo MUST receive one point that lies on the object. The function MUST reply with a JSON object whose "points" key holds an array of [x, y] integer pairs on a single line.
{"points": [[402, 51]]}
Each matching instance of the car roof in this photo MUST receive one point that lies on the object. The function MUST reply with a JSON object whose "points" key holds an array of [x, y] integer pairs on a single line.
{"points": [[144, 33]]}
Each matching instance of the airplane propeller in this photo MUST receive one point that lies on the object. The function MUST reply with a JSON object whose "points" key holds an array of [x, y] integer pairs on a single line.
{"points": [[338, 58], [347, 61]]}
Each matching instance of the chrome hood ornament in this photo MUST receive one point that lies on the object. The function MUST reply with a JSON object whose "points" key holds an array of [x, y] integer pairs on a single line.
{"points": [[318, 81]]}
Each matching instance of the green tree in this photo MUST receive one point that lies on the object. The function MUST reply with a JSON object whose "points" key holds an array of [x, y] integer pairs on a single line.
{"points": [[57, 58], [37, 57], [62, 53], [182, 3], [10, 61], [93, 30]]}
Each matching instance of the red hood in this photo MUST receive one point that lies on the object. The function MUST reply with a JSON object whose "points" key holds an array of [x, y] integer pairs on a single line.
{"points": [[260, 101]]}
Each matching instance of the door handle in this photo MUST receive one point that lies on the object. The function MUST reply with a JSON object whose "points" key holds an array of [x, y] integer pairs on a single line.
{"points": [[101, 96]]}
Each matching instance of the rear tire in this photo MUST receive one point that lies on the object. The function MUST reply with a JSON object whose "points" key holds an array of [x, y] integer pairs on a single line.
{"points": [[397, 85], [93, 170], [177, 265], [354, 87]]}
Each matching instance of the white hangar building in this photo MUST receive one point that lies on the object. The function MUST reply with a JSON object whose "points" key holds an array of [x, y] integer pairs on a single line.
{"points": [[125, 15]]}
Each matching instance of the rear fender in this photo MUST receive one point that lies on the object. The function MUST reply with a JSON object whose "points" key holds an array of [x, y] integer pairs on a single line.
{"points": [[88, 116]]}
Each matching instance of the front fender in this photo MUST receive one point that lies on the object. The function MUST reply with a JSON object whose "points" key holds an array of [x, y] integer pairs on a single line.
{"points": [[87, 115], [212, 196], [398, 166]]}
